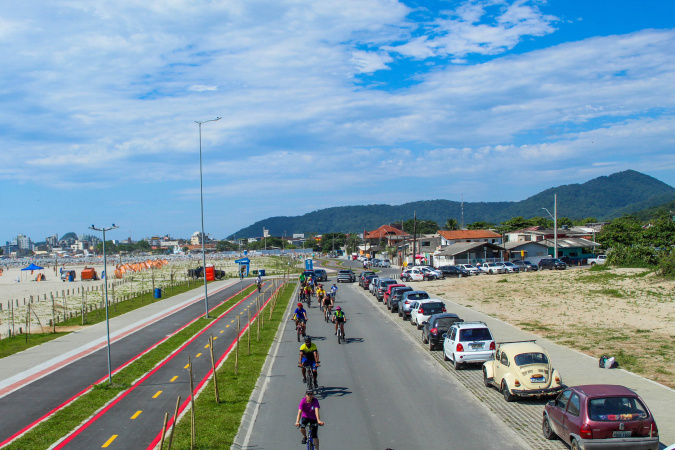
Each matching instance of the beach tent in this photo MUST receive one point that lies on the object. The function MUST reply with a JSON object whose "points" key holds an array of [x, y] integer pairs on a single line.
{"points": [[31, 268]]}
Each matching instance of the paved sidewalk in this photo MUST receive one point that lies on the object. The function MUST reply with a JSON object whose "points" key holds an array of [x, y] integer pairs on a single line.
{"points": [[577, 368], [20, 369]]}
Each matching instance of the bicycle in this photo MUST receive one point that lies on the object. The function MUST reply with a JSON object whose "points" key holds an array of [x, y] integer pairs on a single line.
{"points": [[310, 436], [326, 313], [309, 375], [309, 301], [298, 328], [340, 335]]}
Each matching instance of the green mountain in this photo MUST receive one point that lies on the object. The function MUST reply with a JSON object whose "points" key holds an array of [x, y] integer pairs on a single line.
{"points": [[604, 197]]}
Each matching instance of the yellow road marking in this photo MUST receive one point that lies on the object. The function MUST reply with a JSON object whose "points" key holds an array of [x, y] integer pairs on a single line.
{"points": [[157, 394], [226, 326], [232, 321], [173, 379], [222, 331], [109, 441], [215, 337], [206, 346], [198, 355], [138, 413], [186, 366]]}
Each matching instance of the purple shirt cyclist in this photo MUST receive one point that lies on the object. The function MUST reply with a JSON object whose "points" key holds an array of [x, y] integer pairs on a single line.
{"points": [[308, 415]]}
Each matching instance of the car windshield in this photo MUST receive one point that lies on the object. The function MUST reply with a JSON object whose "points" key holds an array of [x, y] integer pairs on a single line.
{"points": [[530, 358], [432, 308], [474, 334], [418, 296], [509, 264], [527, 262], [469, 266], [446, 322], [616, 408]]}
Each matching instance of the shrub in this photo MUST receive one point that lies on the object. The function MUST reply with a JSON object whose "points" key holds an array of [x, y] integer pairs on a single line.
{"points": [[666, 267]]}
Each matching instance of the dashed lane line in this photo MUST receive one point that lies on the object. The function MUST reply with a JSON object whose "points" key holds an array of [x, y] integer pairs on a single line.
{"points": [[157, 394], [138, 413], [109, 441]]}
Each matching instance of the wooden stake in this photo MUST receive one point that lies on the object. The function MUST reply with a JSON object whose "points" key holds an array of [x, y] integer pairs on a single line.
{"points": [[213, 367], [248, 332], [236, 354], [53, 313], [166, 419], [257, 308], [173, 424], [192, 405]]}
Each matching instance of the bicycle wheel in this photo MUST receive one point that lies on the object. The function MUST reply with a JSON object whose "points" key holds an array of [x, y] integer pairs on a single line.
{"points": [[299, 330], [310, 378], [340, 338]]}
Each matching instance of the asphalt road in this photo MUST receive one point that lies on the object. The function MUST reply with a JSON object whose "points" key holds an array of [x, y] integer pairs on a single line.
{"points": [[377, 391], [47, 393]]}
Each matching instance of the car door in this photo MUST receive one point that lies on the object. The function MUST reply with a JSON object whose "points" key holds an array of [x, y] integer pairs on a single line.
{"points": [[571, 420], [449, 343], [557, 413], [501, 366]]}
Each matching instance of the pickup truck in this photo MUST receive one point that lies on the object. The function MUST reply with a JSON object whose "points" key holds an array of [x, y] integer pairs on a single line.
{"points": [[600, 259]]}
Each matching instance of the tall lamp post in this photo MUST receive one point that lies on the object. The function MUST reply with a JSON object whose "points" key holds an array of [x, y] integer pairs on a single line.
{"points": [[201, 196], [554, 216], [105, 271]]}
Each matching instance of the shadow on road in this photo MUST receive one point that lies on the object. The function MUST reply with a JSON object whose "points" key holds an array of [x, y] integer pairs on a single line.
{"points": [[350, 340], [333, 391]]}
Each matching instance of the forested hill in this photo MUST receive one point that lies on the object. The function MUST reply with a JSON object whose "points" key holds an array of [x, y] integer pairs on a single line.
{"points": [[602, 198]]}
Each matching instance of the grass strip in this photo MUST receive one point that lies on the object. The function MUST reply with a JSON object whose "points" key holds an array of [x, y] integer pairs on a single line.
{"points": [[217, 423], [68, 418], [16, 344]]}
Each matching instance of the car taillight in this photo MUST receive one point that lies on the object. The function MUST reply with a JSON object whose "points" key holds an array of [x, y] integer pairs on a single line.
{"points": [[460, 348], [558, 380], [586, 432], [444, 309], [517, 383], [433, 331], [407, 302], [492, 345], [421, 311], [653, 431]]}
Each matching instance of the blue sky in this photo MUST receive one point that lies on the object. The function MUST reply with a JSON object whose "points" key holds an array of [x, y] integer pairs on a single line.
{"points": [[322, 103]]}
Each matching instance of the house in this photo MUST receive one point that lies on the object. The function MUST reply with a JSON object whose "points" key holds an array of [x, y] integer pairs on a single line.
{"points": [[468, 253], [573, 242], [385, 236], [532, 251], [449, 237]]}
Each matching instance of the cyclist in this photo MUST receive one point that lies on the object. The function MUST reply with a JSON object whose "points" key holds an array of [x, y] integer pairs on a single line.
{"points": [[258, 282], [302, 279], [320, 293], [308, 293], [309, 357], [333, 291], [327, 304], [339, 318], [310, 283], [308, 415], [300, 316]]}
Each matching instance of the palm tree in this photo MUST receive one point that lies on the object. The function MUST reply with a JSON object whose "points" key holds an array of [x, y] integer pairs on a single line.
{"points": [[451, 224]]}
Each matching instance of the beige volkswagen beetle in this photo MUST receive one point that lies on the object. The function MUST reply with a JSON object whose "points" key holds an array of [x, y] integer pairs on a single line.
{"points": [[522, 369]]}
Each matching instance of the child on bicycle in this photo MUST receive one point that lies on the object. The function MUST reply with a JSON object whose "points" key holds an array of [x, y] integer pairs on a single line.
{"points": [[308, 415], [320, 293], [339, 318], [327, 304]]}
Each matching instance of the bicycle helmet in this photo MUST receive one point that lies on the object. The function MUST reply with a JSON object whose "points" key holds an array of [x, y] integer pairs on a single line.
{"points": [[299, 305], [338, 308], [309, 391], [308, 339]]}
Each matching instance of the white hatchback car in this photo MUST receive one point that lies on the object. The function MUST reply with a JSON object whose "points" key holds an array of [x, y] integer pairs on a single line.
{"points": [[413, 274], [468, 342], [421, 310]]}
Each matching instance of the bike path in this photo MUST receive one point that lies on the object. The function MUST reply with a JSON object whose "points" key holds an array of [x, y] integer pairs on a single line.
{"points": [[136, 417], [376, 391], [79, 360]]}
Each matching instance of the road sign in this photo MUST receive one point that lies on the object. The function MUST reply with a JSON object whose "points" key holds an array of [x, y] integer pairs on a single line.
{"points": [[242, 261]]}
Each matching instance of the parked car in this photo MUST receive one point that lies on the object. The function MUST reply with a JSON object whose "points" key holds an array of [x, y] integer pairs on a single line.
{"points": [[473, 270], [414, 274], [436, 326], [421, 310], [375, 262], [573, 261], [525, 266], [396, 296], [373, 284], [385, 263], [387, 293], [346, 276], [367, 280], [363, 275], [407, 300], [600, 416], [510, 267], [468, 342], [552, 264], [431, 273], [492, 268], [599, 259], [321, 275], [382, 287], [454, 271], [522, 369]]}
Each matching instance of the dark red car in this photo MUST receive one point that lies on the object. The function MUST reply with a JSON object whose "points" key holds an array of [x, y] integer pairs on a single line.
{"points": [[600, 416]]}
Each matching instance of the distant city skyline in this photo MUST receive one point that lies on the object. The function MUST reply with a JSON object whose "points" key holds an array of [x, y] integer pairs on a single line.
{"points": [[323, 104]]}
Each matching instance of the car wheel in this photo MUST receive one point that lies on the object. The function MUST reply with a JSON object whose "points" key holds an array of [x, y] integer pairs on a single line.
{"points": [[399, 314], [546, 429], [445, 356], [491, 272], [485, 379], [424, 341], [431, 346], [506, 393], [575, 445], [456, 365]]}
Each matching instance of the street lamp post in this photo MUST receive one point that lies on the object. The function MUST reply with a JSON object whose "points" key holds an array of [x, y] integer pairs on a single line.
{"points": [[201, 197], [105, 271], [554, 216]]}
